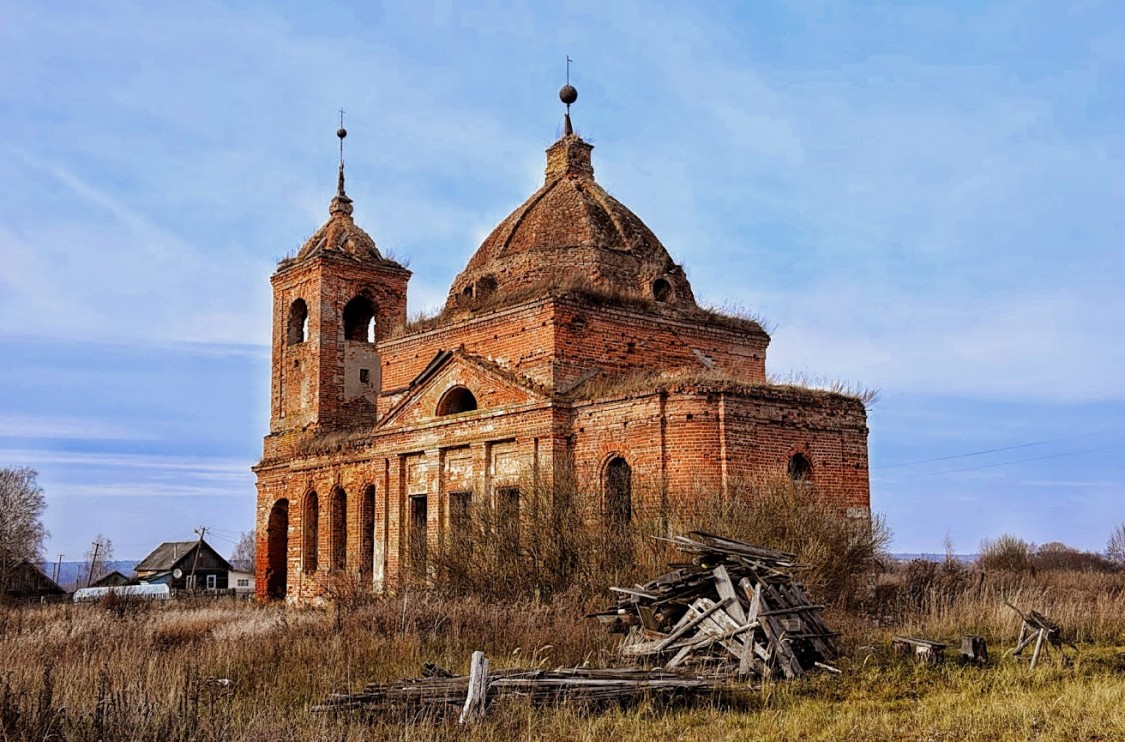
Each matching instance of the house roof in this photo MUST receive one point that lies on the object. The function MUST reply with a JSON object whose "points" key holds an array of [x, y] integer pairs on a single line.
{"points": [[113, 578], [172, 553], [27, 579]]}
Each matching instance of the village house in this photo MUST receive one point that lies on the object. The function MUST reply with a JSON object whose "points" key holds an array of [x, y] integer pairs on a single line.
{"points": [[185, 565], [570, 348], [27, 581]]}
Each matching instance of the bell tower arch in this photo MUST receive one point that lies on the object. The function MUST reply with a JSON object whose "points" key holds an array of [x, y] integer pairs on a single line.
{"points": [[333, 303]]}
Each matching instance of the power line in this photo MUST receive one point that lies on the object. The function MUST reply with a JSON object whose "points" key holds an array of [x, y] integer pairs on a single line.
{"points": [[994, 450], [961, 455], [1037, 458], [1008, 463]]}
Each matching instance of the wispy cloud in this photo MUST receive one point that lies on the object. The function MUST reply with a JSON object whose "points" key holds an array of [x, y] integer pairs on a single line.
{"points": [[71, 428], [179, 464]]}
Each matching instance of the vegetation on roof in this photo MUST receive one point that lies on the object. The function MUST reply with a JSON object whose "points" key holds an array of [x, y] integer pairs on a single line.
{"points": [[734, 317], [641, 381]]}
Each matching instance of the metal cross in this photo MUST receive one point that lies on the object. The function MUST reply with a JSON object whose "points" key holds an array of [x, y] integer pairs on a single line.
{"points": [[341, 138], [568, 61]]}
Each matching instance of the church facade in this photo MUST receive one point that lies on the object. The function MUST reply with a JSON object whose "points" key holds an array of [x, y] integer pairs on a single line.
{"points": [[570, 348]]}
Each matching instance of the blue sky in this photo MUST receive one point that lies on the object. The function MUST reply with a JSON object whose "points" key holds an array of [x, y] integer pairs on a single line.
{"points": [[922, 198]]}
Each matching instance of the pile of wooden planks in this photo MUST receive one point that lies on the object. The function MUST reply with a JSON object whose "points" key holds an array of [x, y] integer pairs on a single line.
{"points": [[735, 610], [442, 694]]}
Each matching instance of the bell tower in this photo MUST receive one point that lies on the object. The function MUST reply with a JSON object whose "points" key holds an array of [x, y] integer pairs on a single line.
{"points": [[332, 305]]}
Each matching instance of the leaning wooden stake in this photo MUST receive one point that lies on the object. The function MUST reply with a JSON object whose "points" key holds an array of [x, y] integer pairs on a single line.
{"points": [[477, 696], [1038, 645]]}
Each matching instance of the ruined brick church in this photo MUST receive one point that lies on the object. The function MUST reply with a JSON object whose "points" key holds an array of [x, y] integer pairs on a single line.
{"points": [[570, 347]]}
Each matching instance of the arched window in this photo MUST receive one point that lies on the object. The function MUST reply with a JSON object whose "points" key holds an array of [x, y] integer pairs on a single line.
{"points": [[359, 320], [800, 470], [310, 543], [297, 329], [457, 399], [661, 290], [277, 550], [339, 516], [618, 493]]}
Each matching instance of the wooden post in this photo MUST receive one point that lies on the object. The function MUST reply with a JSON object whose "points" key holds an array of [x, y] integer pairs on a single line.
{"points": [[477, 696], [198, 548], [974, 650], [1038, 646]]}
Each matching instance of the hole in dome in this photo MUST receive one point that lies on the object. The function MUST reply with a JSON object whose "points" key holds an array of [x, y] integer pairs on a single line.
{"points": [[486, 286], [661, 290]]}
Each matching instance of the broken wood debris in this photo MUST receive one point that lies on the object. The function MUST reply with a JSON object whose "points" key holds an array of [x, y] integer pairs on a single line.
{"points": [[441, 693], [1039, 629], [735, 610]]}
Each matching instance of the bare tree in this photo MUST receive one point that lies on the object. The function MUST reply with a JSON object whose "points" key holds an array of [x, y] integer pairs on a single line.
{"points": [[21, 520], [1115, 548], [242, 558], [99, 553]]}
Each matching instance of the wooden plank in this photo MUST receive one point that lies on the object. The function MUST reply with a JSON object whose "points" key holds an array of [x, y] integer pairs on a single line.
{"points": [[725, 588], [695, 621], [915, 641], [827, 645], [477, 697], [780, 651], [791, 610]]}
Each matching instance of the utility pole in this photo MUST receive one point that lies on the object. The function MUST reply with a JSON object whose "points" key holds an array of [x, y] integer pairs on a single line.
{"points": [[97, 545], [199, 547], [58, 568]]}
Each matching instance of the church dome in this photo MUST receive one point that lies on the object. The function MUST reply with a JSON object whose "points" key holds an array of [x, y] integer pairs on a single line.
{"points": [[340, 236], [572, 233]]}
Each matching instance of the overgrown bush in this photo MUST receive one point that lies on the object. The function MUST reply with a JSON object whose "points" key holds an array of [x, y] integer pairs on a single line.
{"points": [[1007, 553], [1056, 555], [564, 542]]}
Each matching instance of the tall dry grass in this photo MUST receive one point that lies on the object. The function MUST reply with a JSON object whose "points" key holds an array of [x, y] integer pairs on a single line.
{"points": [[158, 671], [567, 543]]}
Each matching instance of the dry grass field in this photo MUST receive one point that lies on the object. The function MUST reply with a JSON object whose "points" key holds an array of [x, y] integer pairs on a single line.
{"points": [[118, 671]]}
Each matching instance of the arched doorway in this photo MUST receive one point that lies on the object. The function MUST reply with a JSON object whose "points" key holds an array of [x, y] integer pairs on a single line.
{"points": [[277, 550], [618, 493]]}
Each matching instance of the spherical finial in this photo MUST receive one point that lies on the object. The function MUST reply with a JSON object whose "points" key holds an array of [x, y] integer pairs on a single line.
{"points": [[341, 132], [568, 94]]}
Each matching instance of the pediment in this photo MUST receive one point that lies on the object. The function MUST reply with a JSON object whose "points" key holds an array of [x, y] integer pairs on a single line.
{"points": [[493, 388]]}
